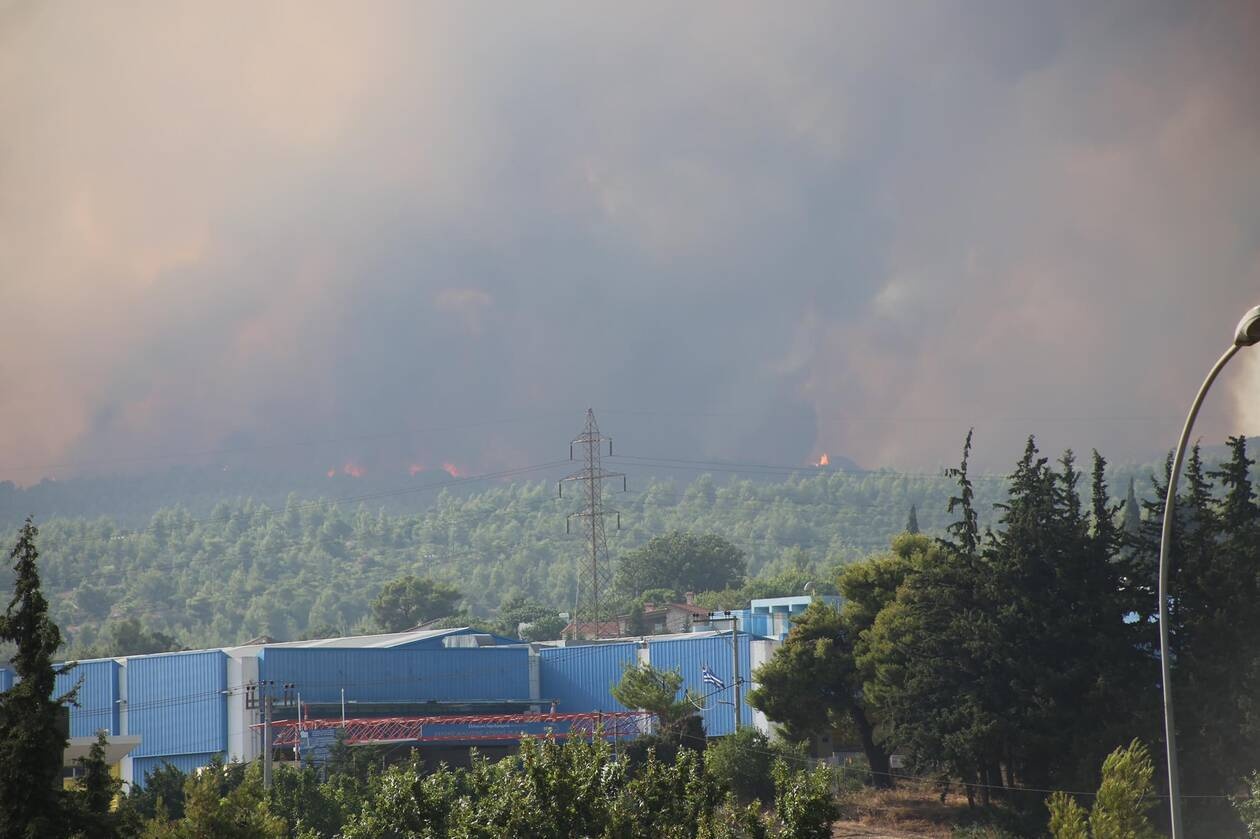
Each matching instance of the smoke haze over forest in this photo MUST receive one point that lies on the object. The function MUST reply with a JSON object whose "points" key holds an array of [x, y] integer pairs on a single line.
{"points": [[407, 235]]}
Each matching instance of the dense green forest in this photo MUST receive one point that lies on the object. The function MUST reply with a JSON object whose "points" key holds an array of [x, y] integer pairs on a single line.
{"points": [[306, 568], [312, 567]]}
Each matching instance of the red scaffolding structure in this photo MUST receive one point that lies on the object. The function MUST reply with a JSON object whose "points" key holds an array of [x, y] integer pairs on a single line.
{"points": [[618, 725]]}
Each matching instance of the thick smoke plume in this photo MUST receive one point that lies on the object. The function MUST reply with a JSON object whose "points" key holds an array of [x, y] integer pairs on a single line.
{"points": [[435, 233]]}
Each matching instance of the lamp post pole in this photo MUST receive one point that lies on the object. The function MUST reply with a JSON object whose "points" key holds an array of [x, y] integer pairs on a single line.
{"points": [[1247, 334]]}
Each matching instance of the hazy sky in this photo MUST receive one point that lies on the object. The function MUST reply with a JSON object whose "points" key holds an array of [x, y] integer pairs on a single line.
{"points": [[753, 232]]}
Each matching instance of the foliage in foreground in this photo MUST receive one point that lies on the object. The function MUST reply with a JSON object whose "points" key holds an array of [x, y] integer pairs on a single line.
{"points": [[1248, 806], [549, 790], [1119, 811], [743, 762], [31, 737]]}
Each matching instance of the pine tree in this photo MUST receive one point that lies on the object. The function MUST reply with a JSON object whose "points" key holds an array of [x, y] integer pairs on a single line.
{"points": [[965, 531], [95, 793], [812, 684], [32, 738], [912, 521]]}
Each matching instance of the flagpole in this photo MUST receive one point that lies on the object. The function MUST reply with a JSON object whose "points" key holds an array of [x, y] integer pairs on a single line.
{"points": [[739, 711]]}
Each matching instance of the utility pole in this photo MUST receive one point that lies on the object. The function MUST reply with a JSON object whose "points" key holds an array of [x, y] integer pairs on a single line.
{"points": [[263, 695], [739, 711], [593, 570]]}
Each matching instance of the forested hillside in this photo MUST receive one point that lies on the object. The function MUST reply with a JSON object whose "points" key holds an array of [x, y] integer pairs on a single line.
{"points": [[312, 567]]}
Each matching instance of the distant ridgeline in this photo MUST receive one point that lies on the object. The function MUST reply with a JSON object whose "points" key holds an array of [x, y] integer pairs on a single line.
{"points": [[130, 500], [218, 574]]}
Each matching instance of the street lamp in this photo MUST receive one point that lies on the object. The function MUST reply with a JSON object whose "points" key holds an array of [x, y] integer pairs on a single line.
{"points": [[1247, 334]]}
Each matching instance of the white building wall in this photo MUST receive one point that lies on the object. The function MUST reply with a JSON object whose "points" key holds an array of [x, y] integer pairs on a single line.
{"points": [[243, 740], [759, 652]]}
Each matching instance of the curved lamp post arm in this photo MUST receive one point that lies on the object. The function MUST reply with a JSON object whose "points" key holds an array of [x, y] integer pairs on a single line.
{"points": [[1170, 736]]}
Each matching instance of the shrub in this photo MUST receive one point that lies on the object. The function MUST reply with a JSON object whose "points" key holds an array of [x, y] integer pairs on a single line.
{"points": [[803, 802], [742, 763]]}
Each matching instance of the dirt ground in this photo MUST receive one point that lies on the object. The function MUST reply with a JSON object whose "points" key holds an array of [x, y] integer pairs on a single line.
{"points": [[903, 813]]}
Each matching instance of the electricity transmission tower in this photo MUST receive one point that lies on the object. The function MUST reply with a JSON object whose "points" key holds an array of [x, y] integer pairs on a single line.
{"points": [[593, 570]]}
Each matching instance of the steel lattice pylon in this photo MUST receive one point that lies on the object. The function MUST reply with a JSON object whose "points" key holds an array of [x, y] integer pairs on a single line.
{"points": [[590, 618]]}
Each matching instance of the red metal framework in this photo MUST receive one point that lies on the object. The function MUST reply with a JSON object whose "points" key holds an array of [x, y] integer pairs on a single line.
{"points": [[477, 727]]}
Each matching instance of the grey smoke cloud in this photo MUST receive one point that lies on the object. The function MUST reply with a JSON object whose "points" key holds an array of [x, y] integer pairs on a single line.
{"points": [[749, 232]]}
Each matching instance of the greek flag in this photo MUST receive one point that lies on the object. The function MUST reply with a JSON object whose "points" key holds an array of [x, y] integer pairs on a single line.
{"points": [[707, 676]]}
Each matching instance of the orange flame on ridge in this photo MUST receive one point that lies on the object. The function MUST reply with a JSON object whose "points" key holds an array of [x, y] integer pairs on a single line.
{"points": [[353, 469], [415, 469], [451, 469], [823, 461]]}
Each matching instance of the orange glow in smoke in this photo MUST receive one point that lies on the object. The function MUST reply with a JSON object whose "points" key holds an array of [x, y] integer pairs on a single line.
{"points": [[353, 469], [332, 473], [451, 469], [823, 461], [415, 469]]}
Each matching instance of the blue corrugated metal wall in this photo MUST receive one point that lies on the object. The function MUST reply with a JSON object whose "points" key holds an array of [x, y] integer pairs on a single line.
{"points": [[688, 656], [757, 623], [6, 678], [400, 675], [176, 703], [579, 678], [96, 703], [142, 766]]}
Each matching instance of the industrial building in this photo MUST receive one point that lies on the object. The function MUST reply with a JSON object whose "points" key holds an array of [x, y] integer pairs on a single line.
{"points": [[185, 708]]}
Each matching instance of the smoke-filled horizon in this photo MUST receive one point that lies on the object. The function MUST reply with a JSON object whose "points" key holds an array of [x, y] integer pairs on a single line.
{"points": [[425, 237]]}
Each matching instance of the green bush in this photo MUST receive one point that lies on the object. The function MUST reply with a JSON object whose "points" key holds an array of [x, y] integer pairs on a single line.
{"points": [[742, 763], [1124, 797], [804, 802], [1249, 806]]}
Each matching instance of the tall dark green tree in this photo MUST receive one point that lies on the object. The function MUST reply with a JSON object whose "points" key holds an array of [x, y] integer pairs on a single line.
{"points": [[1216, 590], [912, 521], [930, 674], [1057, 594], [32, 736], [812, 684], [965, 532]]}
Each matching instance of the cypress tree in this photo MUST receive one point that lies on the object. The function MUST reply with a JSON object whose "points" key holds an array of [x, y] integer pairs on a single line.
{"points": [[1217, 675], [1238, 511], [912, 521], [95, 794], [935, 659], [32, 738], [1110, 705], [965, 531]]}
